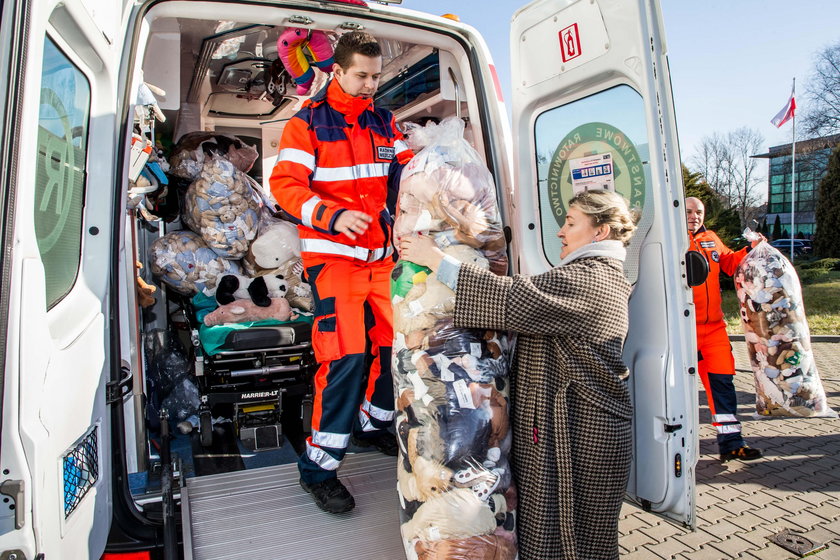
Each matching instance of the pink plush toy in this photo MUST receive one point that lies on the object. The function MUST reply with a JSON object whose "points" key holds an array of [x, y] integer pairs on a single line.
{"points": [[293, 46], [244, 310]]}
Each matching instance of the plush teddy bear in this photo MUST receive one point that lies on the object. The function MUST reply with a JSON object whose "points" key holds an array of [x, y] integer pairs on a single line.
{"points": [[261, 290], [479, 547], [277, 243], [244, 310], [145, 290], [455, 514]]}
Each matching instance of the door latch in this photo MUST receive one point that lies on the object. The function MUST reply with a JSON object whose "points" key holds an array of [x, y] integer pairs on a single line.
{"points": [[14, 489]]}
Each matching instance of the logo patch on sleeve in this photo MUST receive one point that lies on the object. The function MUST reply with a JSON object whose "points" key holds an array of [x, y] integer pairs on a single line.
{"points": [[715, 256], [385, 152]]}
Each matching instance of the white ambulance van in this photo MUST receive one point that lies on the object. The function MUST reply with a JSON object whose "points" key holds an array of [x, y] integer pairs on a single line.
{"points": [[592, 107]]}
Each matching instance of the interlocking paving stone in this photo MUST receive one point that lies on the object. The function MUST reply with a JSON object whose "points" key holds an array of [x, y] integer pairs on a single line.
{"points": [[635, 539], [668, 548], [734, 545], [739, 505]]}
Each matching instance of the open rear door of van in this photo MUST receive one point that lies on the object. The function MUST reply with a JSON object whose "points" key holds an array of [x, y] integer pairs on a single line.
{"points": [[58, 192], [592, 109]]}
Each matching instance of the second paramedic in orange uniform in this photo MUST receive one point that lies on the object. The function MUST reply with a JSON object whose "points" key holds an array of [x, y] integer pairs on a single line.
{"points": [[715, 360], [340, 158]]}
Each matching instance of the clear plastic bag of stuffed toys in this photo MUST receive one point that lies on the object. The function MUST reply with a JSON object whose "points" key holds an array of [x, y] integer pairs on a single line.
{"points": [[454, 480], [223, 207], [183, 261], [189, 154], [787, 382]]}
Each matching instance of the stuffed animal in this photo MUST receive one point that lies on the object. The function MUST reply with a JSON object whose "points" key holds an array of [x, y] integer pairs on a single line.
{"points": [[455, 514], [144, 290], [479, 547], [277, 243], [245, 310], [293, 46], [261, 290]]}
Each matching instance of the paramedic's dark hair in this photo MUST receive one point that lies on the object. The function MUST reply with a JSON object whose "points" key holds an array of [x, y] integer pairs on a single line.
{"points": [[355, 42]]}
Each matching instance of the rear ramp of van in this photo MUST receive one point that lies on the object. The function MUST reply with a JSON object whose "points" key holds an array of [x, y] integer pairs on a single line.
{"points": [[264, 513]]}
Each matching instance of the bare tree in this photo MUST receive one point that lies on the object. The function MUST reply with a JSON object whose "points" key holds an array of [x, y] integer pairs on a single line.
{"points": [[822, 117], [726, 165], [745, 142], [713, 160]]}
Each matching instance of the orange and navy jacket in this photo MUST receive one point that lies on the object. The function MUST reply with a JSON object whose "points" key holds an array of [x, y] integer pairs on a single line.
{"points": [[707, 307], [340, 153]]}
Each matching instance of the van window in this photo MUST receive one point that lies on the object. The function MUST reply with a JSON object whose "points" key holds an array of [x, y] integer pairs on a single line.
{"points": [[60, 177], [422, 78], [598, 142]]}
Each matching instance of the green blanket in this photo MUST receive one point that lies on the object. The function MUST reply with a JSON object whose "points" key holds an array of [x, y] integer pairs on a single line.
{"points": [[213, 338]]}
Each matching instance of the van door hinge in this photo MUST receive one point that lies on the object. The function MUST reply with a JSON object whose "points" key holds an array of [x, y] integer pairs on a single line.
{"points": [[14, 489], [671, 428], [116, 390]]}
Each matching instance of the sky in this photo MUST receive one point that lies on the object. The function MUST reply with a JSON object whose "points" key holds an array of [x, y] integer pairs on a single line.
{"points": [[732, 61]]}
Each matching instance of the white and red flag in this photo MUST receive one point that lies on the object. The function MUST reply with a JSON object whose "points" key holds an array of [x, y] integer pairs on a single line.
{"points": [[786, 113]]}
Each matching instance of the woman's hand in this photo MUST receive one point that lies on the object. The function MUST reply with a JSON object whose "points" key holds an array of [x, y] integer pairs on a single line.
{"points": [[422, 250], [755, 242]]}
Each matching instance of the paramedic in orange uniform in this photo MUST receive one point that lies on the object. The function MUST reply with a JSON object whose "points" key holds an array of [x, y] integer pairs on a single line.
{"points": [[336, 174], [714, 353]]}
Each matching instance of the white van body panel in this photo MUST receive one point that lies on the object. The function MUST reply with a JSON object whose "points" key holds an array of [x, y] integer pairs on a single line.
{"points": [[591, 73], [57, 357], [55, 430]]}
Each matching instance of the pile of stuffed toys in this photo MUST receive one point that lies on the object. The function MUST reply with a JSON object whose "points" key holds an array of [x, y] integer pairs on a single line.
{"points": [[234, 248], [778, 340], [454, 480]]}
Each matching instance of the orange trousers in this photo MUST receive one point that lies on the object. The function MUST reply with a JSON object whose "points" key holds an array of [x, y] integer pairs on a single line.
{"points": [[351, 336]]}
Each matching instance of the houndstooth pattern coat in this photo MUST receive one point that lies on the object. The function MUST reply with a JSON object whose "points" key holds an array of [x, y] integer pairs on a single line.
{"points": [[571, 409]]}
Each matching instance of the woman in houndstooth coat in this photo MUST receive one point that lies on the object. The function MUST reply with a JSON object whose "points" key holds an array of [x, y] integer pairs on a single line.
{"points": [[570, 405]]}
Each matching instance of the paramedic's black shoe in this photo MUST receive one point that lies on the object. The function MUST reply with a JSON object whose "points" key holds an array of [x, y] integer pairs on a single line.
{"points": [[745, 453], [386, 443], [330, 495]]}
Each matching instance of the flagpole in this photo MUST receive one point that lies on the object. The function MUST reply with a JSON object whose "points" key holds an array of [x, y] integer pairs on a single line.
{"points": [[793, 174]]}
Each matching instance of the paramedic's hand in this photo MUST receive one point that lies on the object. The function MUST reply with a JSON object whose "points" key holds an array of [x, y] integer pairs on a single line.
{"points": [[755, 242], [352, 223], [422, 250]]}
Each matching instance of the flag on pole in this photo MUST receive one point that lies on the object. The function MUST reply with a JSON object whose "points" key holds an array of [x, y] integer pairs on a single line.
{"points": [[786, 113]]}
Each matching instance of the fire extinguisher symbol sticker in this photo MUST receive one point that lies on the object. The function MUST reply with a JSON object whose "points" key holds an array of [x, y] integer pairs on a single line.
{"points": [[569, 42]]}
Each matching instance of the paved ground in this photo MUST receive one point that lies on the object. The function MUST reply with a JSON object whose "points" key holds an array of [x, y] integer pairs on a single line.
{"points": [[796, 486]]}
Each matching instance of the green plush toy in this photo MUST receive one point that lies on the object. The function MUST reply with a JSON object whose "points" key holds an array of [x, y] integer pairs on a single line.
{"points": [[405, 275]]}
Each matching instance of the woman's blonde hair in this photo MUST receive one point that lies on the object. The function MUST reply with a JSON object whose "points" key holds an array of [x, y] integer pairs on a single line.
{"points": [[607, 207]]}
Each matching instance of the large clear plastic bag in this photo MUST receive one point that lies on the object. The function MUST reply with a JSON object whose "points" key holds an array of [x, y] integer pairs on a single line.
{"points": [[188, 155], [787, 382], [452, 413], [446, 189], [223, 207], [184, 262]]}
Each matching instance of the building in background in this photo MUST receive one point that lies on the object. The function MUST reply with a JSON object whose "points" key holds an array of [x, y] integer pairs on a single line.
{"points": [[811, 164]]}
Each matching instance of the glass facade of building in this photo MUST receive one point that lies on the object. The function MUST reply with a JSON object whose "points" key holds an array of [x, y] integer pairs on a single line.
{"points": [[811, 164]]}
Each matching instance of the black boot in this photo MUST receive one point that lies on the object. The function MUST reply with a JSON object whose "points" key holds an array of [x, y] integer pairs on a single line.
{"points": [[385, 443], [743, 453], [330, 495]]}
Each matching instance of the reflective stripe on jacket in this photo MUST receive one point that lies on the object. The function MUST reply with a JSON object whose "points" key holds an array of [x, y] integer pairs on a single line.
{"points": [[720, 258], [339, 153]]}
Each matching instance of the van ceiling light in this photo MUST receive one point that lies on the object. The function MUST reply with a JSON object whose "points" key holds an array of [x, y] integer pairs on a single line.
{"points": [[453, 17]]}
